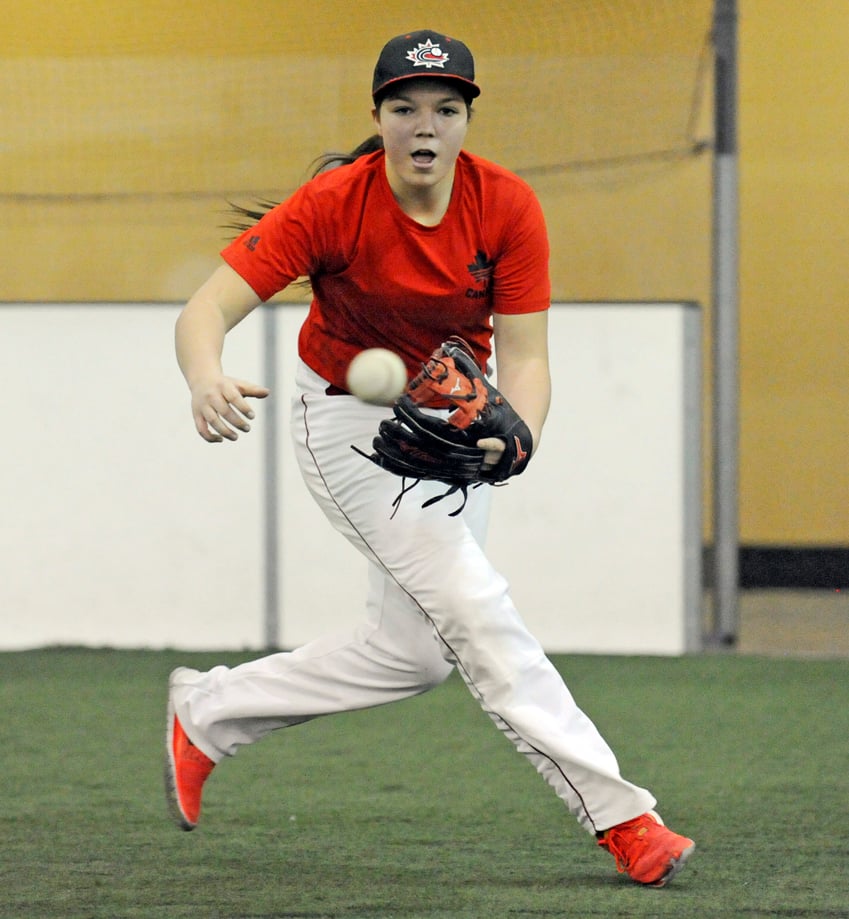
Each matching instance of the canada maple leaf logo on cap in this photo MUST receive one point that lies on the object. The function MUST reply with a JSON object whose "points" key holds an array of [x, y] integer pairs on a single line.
{"points": [[427, 54]]}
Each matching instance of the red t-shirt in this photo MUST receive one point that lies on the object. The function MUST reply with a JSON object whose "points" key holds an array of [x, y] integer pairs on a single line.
{"points": [[380, 279]]}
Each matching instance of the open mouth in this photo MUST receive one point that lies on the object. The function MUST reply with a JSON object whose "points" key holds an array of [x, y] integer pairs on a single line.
{"points": [[423, 157]]}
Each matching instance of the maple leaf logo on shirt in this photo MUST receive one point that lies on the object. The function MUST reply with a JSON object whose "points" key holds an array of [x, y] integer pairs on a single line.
{"points": [[481, 268]]}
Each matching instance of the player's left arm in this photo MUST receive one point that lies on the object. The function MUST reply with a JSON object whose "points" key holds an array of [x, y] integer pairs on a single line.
{"points": [[523, 377]]}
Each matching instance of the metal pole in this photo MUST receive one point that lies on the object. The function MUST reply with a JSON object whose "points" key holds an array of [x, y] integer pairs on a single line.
{"points": [[271, 508], [725, 328]]}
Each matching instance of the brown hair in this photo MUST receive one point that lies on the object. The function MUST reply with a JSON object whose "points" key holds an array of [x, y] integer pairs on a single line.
{"points": [[243, 218]]}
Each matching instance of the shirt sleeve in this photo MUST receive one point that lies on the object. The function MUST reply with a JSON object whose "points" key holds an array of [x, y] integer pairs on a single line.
{"points": [[521, 280], [279, 248]]}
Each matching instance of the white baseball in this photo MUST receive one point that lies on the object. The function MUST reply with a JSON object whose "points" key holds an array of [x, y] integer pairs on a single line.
{"points": [[377, 375]]}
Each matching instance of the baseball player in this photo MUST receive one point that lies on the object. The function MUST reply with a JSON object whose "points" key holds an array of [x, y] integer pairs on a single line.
{"points": [[406, 248]]}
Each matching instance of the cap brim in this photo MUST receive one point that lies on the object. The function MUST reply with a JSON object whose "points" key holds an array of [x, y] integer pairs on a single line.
{"points": [[466, 86]]}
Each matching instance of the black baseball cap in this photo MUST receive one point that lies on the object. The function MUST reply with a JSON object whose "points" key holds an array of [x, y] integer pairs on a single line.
{"points": [[425, 54]]}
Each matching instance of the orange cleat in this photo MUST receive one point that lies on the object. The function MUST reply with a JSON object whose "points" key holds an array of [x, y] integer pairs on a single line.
{"points": [[186, 769], [650, 853]]}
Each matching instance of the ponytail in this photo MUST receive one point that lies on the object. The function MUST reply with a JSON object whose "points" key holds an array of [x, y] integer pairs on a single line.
{"points": [[243, 218], [328, 161]]}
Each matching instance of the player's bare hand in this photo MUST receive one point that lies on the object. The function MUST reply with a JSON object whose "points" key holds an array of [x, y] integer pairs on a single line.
{"points": [[493, 447], [220, 407]]}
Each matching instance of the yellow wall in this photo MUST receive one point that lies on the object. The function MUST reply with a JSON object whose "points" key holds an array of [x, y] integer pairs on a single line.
{"points": [[794, 164], [183, 105]]}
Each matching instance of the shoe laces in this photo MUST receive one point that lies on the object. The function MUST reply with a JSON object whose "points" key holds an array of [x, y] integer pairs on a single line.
{"points": [[620, 841], [195, 758]]}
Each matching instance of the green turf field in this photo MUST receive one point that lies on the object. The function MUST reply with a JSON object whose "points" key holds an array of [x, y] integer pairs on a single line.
{"points": [[422, 810]]}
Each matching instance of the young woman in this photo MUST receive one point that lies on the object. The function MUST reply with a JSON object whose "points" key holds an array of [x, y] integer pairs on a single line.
{"points": [[404, 247]]}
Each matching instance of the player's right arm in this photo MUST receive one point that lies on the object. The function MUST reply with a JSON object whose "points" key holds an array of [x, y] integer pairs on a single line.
{"points": [[219, 403]]}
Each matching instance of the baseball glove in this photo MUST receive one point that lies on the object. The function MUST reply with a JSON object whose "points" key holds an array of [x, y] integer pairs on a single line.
{"points": [[417, 443]]}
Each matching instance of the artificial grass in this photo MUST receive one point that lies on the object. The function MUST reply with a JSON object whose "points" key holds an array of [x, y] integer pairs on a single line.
{"points": [[422, 810]]}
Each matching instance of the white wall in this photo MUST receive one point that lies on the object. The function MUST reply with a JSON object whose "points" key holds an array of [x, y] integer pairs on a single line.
{"points": [[121, 527], [602, 536]]}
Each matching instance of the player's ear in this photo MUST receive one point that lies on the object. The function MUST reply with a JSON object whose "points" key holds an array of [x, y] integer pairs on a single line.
{"points": [[375, 117]]}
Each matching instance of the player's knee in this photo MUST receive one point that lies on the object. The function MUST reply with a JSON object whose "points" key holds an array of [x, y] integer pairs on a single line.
{"points": [[437, 674], [436, 666]]}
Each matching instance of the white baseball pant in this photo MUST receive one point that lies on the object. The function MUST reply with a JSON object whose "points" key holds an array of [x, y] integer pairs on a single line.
{"points": [[434, 603]]}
